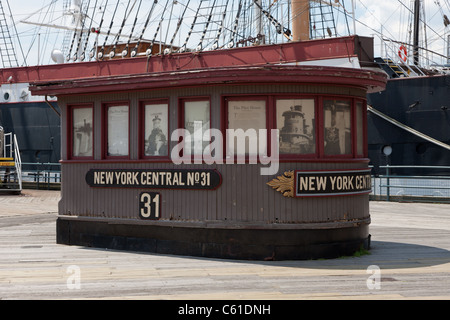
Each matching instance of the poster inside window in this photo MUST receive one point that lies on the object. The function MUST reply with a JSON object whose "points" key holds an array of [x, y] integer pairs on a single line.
{"points": [[296, 125], [196, 122], [156, 130], [82, 124], [247, 115], [337, 126], [117, 131]]}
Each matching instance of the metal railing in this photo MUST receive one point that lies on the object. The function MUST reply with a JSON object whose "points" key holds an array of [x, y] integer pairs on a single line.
{"points": [[41, 175], [18, 162], [404, 60], [390, 186], [11, 178]]}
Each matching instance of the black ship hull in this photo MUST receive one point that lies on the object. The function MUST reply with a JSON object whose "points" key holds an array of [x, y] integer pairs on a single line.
{"points": [[421, 103], [37, 128]]}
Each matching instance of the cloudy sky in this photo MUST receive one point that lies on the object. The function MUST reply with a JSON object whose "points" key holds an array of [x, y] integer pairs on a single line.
{"points": [[391, 18]]}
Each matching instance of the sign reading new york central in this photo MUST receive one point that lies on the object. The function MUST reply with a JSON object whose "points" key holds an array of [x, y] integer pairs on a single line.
{"points": [[154, 178], [326, 183]]}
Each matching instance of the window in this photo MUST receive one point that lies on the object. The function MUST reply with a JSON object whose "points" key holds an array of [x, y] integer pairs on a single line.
{"points": [[196, 122], [155, 128], [245, 118], [296, 122], [117, 126], [337, 127], [81, 120]]}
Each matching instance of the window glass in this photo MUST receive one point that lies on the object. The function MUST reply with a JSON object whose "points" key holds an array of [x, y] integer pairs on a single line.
{"points": [[117, 131], [196, 121], [296, 125], [82, 126], [359, 128], [249, 116], [337, 126], [156, 129]]}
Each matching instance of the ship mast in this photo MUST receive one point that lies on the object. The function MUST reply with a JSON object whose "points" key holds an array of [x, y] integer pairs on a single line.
{"points": [[416, 32], [300, 20]]}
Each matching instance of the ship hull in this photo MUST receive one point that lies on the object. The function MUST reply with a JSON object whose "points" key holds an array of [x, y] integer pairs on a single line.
{"points": [[421, 103], [37, 127]]}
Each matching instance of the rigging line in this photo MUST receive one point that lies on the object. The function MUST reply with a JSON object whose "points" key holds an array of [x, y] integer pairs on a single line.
{"points": [[225, 28], [32, 41], [81, 32], [150, 49], [37, 34], [117, 38], [374, 17], [346, 18], [48, 32], [167, 31], [422, 20], [219, 31], [38, 11], [125, 51], [236, 21], [421, 48], [134, 52], [183, 47], [180, 21], [280, 29], [100, 54], [89, 32], [407, 128], [97, 30], [74, 35], [199, 46], [18, 39]]}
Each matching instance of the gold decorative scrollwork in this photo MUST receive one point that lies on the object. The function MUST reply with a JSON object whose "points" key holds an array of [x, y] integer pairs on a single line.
{"points": [[284, 184]]}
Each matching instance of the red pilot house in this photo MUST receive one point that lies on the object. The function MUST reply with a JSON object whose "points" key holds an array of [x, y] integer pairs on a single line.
{"points": [[241, 153]]}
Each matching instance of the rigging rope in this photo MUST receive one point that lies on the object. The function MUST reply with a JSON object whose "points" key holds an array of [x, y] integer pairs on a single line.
{"points": [[75, 33], [150, 49], [89, 33], [81, 32], [97, 30], [180, 20], [134, 52], [102, 50], [117, 38], [125, 51], [199, 46]]}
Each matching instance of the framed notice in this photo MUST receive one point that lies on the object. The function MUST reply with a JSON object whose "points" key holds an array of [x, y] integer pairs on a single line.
{"points": [[82, 132], [156, 127], [196, 122], [337, 127], [118, 131], [296, 124], [248, 116]]}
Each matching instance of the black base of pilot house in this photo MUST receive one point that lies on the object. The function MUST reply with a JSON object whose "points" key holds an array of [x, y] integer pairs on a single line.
{"points": [[253, 244], [132, 181]]}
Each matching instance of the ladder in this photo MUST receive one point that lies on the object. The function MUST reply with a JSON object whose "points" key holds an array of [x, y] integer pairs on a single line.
{"points": [[321, 17], [7, 52], [10, 164]]}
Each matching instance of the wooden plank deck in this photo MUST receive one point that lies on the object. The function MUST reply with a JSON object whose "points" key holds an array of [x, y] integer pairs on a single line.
{"points": [[410, 246]]}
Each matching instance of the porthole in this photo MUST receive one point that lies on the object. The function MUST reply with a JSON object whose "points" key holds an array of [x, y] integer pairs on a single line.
{"points": [[6, 96]]}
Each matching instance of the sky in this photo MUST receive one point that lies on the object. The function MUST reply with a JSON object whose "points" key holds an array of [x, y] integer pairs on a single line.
{"points": [[386, 17]]}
